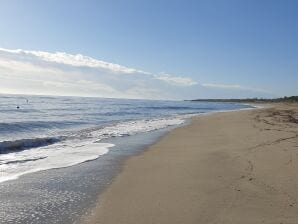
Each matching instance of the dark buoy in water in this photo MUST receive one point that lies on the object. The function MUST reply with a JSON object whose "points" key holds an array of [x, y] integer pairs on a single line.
{"points": [[18, 107]]}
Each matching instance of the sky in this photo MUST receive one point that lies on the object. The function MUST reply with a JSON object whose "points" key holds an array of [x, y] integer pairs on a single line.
{"points": [[153, 49]]}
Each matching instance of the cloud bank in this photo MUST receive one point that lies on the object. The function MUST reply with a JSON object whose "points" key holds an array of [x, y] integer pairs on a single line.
{"points": [[60, 73]]}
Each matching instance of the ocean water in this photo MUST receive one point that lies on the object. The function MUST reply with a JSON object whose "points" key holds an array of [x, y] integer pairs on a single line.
{"points": [[88, 138], [44, 132]]}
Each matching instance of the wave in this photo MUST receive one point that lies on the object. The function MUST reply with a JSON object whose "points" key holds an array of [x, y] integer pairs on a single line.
{"points": [[21, 161], [186, 108], [166, 108], [118, 129], [127, 128], [23, 144], [21, 110], [71, 149], [135, 126], [34, 125], [119, 113]]}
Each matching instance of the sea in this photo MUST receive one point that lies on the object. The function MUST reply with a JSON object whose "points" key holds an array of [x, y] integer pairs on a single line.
{"points": [[55, 150]]}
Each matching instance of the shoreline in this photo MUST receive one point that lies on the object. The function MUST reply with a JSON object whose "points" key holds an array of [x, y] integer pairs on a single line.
{"points": [[218, 177], [68, 194]]}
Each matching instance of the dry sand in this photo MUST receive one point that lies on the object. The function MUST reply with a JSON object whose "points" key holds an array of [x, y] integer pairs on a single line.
{"points": [[235, 167]]}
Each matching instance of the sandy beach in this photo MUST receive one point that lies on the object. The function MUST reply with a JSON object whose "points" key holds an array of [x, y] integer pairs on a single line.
{"points": [[232, 167]]}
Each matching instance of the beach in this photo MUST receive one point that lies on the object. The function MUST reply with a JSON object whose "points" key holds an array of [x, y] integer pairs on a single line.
{"points": [[229, 167]]}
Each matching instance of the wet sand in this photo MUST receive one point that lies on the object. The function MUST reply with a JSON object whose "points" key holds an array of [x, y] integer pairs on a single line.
{"points": [[233, 167]]}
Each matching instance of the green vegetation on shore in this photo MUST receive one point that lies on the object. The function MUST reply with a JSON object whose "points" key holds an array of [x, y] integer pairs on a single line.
{"points": [[290, 99]]}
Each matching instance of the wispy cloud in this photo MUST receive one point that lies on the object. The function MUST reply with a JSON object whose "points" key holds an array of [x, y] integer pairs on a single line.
{"points": [[77, 74], [60, 73], [73, 60], [175, 80]]}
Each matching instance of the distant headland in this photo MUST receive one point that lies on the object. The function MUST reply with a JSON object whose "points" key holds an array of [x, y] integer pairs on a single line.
{"points": [[290, 99]]}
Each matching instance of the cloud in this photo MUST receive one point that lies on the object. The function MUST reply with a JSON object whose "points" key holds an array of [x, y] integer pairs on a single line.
{"points": [[73, 60], [60, 73], [175, 80], [75, 74]]}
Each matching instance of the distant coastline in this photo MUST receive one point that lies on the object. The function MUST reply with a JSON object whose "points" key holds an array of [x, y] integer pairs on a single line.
{"points": [[290, 99]]}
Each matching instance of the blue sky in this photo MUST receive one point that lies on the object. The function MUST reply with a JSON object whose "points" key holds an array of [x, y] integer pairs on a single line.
{"points": [[199, 49]]}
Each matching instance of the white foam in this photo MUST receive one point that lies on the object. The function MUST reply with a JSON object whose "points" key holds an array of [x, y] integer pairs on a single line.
{"points": [[134, 127], [77, 148], [52, 157]]}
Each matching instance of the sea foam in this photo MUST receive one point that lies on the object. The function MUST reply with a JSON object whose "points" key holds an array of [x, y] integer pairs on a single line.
{"points": [[78, 147]]}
